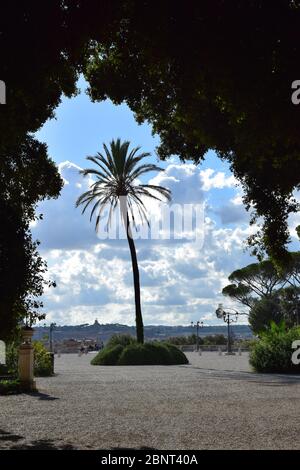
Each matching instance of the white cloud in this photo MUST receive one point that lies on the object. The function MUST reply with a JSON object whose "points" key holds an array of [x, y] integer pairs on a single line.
{"points": [[216, 180]]}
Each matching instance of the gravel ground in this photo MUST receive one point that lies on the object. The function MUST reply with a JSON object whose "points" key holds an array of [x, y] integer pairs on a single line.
{"points": [[213, 403]]}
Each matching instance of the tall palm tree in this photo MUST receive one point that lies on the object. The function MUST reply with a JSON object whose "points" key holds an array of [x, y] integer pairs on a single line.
{"points": [[116, 173]]}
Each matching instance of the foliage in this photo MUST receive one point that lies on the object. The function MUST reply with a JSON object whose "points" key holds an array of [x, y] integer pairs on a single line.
{"points": [[116, 339], [177, 356], [273, 352], [203, 80], [153, 353], [42, 360], [214, 75], [263, 312], [27, 176], [117, 171], [9, 386], [218, 339], [269, 293], [203, 340], [109, 356], [179, 340], [12, 358], [178, 65]]}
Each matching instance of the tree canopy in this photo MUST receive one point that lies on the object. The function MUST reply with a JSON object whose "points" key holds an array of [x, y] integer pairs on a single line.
{"points": [[269, 294], [27, 176], [214, 75], [207, 75]]}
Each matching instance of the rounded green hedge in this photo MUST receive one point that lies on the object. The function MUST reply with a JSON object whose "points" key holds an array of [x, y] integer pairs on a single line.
{"points": [[140, 354], [273, 351], [108, 356]]}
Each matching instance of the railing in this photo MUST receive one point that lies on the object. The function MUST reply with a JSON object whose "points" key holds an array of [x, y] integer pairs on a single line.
{"points": [[210, 348]]}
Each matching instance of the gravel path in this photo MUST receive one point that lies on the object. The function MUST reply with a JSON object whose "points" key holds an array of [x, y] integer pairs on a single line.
{"points": [[214, 403]]}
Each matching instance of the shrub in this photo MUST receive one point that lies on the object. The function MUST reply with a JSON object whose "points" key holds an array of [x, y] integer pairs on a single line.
{"points": [[140, 354], [152, 354], [108, 356], [42, 360], [12, 358], [273, 352], [123, 340], [8, 387], [177, 356]]}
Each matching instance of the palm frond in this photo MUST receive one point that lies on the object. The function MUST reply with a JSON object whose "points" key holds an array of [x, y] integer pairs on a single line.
{"points": [[116, 172]]}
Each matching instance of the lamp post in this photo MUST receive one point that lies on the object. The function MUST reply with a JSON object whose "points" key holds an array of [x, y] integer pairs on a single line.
{"points": [[198, 325], [51, 328], [228, 317]]}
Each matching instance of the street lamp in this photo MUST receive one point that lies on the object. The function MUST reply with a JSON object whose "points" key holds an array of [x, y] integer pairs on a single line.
{"points": [[51, 328], [228, 317], [197, 325]]}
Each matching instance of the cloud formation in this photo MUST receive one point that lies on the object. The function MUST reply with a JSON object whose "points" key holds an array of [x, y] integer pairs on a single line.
{"points": [[180, 280]]}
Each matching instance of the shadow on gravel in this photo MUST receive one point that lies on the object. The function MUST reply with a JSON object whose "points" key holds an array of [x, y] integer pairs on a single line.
{"points": [[7, 436], [251, 377], [42, 396], [43, 444]]}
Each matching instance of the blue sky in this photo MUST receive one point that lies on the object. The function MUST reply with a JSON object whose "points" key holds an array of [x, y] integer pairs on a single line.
{"points": [[180, 281]]}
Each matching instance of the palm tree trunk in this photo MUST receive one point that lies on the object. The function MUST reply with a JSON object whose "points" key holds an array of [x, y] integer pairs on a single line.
{"points": [[136, 282]]}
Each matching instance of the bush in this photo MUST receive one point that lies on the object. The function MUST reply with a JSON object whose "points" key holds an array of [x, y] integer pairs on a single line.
{"points": [[108, 356], [12, 358], [8, 387], [177, 356], [140, 354], [123, 340], [42, 360], [273, 352]]}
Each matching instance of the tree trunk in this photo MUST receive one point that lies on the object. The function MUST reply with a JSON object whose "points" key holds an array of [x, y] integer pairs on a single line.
{"points": [[136, 282]]}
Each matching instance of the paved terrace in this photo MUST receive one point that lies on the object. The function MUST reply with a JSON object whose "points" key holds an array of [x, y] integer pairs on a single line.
{"points": [[213, 403]]}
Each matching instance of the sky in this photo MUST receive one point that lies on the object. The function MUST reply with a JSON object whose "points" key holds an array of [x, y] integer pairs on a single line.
{"points": [[181, 279]]}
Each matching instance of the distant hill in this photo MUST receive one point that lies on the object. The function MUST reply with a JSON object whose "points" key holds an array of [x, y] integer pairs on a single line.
{"points": [[103, 332]]}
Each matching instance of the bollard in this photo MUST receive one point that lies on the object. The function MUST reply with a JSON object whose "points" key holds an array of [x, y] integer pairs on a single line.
{"points": [[200, 352], [220, 352], [26, 362], [240, 351]]}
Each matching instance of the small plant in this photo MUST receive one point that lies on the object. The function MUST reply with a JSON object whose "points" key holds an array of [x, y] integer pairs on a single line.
{"points": [[42, 360], [9, 386]]}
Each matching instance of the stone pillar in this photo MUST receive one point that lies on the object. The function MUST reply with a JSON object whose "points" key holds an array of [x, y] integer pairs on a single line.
{"points": [[26, 362]]}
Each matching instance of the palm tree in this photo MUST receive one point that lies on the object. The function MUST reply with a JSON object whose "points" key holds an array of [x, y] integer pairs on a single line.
{"points": [[116, 174]]}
